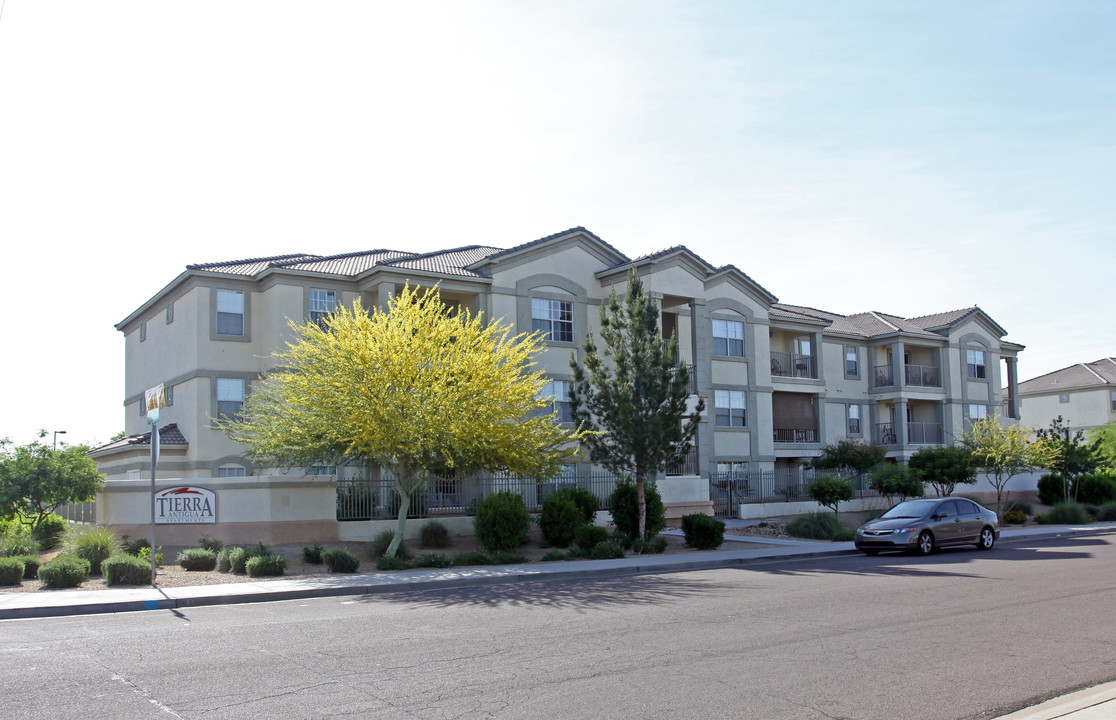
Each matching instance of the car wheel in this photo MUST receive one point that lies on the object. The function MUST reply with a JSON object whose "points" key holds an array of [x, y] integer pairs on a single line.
{"points": [[987, 539], [925, 543], [870, 552]]}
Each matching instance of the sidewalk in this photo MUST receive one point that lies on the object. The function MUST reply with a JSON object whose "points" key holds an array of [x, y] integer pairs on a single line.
{"points": [[1090, 704]]}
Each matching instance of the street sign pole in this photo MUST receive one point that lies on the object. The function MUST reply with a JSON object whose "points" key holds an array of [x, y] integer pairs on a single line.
{"points": [[153, 399]]}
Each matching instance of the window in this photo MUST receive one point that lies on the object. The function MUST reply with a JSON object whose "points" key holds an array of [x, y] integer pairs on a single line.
{"points": [[321, 470], [230, 312], [143, 331], [976, 364], [168, 393], [728, 338], [731, 408], [978, 412], [170, 313], [230, 396], [322, 304], [553, 318], [854, 420], [1114, 401], [557, 392], [1063, 398], [852, 361], [231, 471]]}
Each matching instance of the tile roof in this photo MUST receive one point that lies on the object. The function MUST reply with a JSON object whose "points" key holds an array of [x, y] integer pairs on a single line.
{"points": [[448, 262], [946, 319], [1083, 375], [554, 236], [251, 266], [168, 435], [350, 264]]}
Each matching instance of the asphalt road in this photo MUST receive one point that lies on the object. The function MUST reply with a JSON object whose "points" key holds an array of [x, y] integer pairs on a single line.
{"points": [[961, 634]]}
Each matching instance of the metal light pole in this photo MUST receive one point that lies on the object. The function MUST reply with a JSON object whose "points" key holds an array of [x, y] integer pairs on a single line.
{"points": [[56, 434]]}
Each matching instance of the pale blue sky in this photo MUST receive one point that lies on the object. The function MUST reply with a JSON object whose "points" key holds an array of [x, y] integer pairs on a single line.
{"points": [[910, 158]]}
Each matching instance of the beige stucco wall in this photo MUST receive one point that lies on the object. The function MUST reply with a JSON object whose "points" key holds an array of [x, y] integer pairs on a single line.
{"points": [[1085, 409]]}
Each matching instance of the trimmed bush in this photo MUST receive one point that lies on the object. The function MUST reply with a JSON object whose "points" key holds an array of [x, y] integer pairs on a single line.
{"points": [[224, 560], [269, 565], [434, 535], [433, 560], [212, 544], [380, 543], [623, 503], [31, 565], [1022, 506], [197, 560], [1067, 514], [608, 550], [560, 519], [51, 531], [391, 563], [654, 546], [472, 557], [815, 526], [553, 556], [1051, 489], [1105, 513], [830, 491], [703, 532], [1014, 517], [502, 521], [125, 569], [95, 544], [1095, 489], [239, 557], [312, 554], [584, 499], [504, 557], [588, 537], [11, 571], [64, 571], [340, 560], [896, 479], [18, 545]]}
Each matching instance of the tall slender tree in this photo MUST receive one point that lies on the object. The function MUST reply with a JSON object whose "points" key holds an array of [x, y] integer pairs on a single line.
{"points": [[633, 395]]}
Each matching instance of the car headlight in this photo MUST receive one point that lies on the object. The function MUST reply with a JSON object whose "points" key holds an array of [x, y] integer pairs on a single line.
{"points": [[900, 531]]}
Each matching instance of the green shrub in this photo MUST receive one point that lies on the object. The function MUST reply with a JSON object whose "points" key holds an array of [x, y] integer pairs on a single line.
{"points": [[11, 571], [1040, 519], [134, 547], [577, 553], [312, 554], [51, 531], [703, 532], [502, 521], [608, 550], [1051, 489], [472, 557], [269, 565], [1014, 517], [1106, 512], [64, 571], [1022, 506], [434, 535], [830, 491], [625, 540], [623, 503], [95, 544], [559, 520], [145, 554], [380, 543], [652, 546], [1095, 489], [31, 565], [125, 569], [20, 544], [1066, 514], [239, 557], [844, 535], [432, 560], [391, 563], [553, 556], [505, 557], [197, 559], [340, 560], [590, 536], [815, 526], [224, 560], [584, 499], [896, 479], [212, 544]]}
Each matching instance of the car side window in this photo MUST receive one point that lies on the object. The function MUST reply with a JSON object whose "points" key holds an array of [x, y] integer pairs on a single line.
{"points": [[965, 507], [947, 509]]}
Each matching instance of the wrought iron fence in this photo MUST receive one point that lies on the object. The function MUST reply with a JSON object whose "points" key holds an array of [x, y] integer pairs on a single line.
{"points": [[85, 512], [785, 364], [364, 499], [923, 375], [729, 490]]}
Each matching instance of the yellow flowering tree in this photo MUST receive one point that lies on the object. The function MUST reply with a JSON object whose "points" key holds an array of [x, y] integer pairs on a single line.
{"points": [[415, 389], [1003, 451]]}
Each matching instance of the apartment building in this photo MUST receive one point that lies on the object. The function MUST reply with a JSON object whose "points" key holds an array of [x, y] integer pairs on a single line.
{"points": [[779, 380], [1083, 394]]}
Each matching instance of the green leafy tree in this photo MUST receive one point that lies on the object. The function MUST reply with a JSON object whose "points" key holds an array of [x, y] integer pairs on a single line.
{"points": [[36, 479], [855, 455], [1076, 456], [830, 492], [944, 468], [1104, 438], [1003, 451], [633, 395], [415, 389], [892, 480]]}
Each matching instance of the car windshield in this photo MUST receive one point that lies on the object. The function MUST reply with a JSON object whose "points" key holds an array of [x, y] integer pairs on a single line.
{"points": [[908, 509]]}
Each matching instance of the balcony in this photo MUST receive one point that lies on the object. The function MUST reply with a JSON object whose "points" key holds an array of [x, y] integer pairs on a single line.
{"points": [[918, 433], [882, 377], [688, 466], [789, 435], [786, 364], [923, 375]]}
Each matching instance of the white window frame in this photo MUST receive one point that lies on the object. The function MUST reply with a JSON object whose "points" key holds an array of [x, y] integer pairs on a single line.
{"points": [[730, 408], [977, 411], [852, 414], [230, 391], [553, 318], [728, 338], [557, 393], [323, 303], [854, 352], [231, 471], [977, 365], [230, 305]]}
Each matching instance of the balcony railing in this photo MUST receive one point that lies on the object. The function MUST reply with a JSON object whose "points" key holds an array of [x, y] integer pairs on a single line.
{"points": [[881, 376], [924, 433], [796, 436], [785, 364], [688, 466], [923, 375], [885, 434]]}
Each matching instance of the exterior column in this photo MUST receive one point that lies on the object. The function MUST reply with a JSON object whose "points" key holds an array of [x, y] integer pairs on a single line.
{"points": [[898, 367], [1013, 387], [701, 375], [901, 423]]}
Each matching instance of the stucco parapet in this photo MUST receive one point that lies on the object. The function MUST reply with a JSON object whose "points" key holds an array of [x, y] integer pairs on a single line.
{"points": [[236, 483]]}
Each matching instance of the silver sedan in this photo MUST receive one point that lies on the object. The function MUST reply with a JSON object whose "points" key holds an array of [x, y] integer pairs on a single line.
{"points": [[922, 525]]}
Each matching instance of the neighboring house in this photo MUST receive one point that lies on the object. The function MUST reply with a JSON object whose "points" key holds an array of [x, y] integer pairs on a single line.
{"points": [[779, 380], [1083, 394]]}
